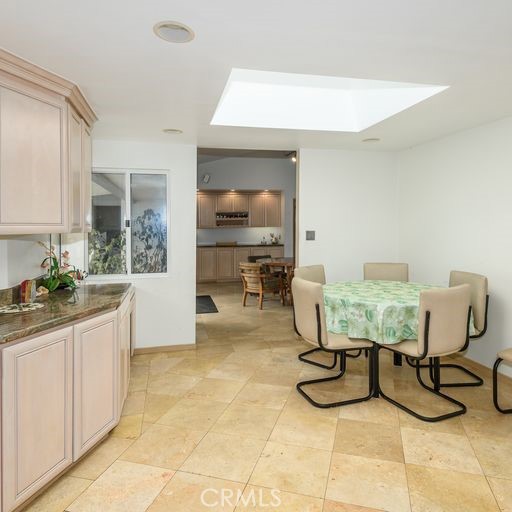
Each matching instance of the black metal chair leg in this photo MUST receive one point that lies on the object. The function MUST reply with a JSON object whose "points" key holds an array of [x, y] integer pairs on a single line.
{"points": [[478, 381], [315, 363], [355, 355], [343, 367], [495, 388], [434, 390]]}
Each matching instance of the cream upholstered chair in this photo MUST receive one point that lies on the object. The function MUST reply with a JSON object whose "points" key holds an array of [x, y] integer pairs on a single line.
{"points": [[257, 282], [310, 321], [443, 329], [504, 355], [386, 272], [314, 273]]}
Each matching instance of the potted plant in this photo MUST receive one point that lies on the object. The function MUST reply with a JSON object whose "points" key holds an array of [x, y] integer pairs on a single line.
{"points": [[58, 276]]}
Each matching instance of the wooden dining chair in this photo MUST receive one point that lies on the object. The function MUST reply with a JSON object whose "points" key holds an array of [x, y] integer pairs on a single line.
{"points": [[504, 355], [258, 282], [443, 329], [386, 272], [310, 321]]}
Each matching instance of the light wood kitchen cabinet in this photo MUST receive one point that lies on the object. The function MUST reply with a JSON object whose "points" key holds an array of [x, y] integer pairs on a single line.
{"points": [[276, 252], [76, 214], [240, 255], [206, 209], [96, 381], [272, 210], [37, 414], [207, 257], [240, 203], [257, 210], [33, 167], [225, 263], [232, 202], [268, 250], [86, 176], [224, 202], [125, 319]]}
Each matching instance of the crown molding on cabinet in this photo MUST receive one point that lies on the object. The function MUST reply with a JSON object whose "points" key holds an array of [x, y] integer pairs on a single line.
{"points": [[20, 68]]}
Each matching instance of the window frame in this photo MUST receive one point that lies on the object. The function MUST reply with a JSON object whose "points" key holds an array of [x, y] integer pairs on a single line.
{"points": [[127, 216]]}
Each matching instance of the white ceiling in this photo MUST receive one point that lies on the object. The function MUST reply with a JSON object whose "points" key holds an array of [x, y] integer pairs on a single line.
{"points": [[139, 84]]}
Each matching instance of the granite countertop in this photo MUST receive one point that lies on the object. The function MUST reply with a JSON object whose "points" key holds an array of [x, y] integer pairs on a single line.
{"points": [[240, 244], [62, 307]]}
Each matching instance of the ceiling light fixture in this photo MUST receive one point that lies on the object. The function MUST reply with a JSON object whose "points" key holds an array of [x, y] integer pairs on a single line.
{"points": [[173, 32], [371, 139], [173, 131]]}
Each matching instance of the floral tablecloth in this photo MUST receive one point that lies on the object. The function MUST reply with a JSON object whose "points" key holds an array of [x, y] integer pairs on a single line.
{"points": [[381, 311]]}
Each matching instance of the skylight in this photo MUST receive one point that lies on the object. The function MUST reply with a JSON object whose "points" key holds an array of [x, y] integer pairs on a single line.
{"points": [[266, 99]]}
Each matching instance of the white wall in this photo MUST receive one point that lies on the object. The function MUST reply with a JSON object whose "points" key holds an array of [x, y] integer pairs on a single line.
{"points": [[350, 198], [456, 214], [165, 306], [251, 174]]}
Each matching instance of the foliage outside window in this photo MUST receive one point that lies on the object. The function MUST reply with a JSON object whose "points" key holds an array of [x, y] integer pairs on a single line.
{"points": [[129, 223]]}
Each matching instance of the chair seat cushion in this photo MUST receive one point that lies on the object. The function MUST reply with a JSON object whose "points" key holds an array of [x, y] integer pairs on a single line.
{"points": [[342, 342], [506, 355]]}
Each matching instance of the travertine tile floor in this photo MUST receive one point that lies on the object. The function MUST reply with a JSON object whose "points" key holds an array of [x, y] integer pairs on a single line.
{"points": [[227, 416]]}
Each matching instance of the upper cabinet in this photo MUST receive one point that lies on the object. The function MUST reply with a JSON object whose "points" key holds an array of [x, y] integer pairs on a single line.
{"points": [[45, 147]]}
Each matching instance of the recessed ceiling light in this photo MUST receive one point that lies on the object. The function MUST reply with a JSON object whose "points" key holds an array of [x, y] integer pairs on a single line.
{"points": [[174, 131], [371, 139], [232, 190], [268, 99], [173, 32]]}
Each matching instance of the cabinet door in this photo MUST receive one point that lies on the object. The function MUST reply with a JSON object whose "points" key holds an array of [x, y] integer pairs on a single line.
{"points": [[240, 203], [96, 382], [241, 255], [207, 264], [225, 202], [124, 353], [75, 171], [37, 414], [206, 208], [276, 252], [260, 251], [86, 177], [225, 263], [257, 210], [33, 162], [273, 210]]}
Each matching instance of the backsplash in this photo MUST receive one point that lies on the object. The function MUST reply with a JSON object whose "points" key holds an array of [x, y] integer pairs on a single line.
{"points": [[241, 235]]}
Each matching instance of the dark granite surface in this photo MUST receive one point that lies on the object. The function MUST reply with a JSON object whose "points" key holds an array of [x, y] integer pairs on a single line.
{"points": [[62, 307]]}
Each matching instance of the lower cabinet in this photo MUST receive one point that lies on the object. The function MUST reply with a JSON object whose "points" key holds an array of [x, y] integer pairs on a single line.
{"points": [[37, 414], [126, 322], [225, 264], [96, 381]]}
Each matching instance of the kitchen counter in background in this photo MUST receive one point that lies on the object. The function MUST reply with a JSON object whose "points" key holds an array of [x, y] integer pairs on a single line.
{"points": [[241, 244], [62, 307]]}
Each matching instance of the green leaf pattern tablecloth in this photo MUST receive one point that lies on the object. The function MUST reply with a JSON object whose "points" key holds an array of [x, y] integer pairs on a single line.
{"points": [[381, 311]]}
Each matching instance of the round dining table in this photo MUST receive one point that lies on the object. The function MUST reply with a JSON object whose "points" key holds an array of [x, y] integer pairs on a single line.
{"points": [[382, 311]]}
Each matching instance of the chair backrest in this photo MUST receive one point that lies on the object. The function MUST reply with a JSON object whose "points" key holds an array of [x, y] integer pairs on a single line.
{"points": [[252, 275], [315, 273], [386, 272], [306, 296], [448, 310], [479, 290], [254, 259]]}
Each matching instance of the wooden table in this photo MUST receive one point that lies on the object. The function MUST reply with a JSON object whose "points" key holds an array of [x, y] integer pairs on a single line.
{"points": [[286, 265]]}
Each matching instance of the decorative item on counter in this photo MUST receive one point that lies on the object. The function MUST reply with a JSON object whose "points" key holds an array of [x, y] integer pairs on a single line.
{"points": [[58, 276], [274, 240], [28, 290], [264, 241], [42, 291]]}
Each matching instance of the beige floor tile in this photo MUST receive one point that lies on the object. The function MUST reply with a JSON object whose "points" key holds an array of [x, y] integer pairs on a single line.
{"points": [[478, 423], [275, 376], [198, 367], [374, 411], [221, 390], [134, 403], [171, 384], [502, 490], [156, 406], [125, 486], [334, 506], [495, 455], [297, 403], [100, 458], [305, 429], [263, 395], [451, 426], [439, 450], [369, 440], [61, 494], [159, 366], [231, 371], [439, 490], [163, 446], [224, 456], [246, 421], [138, 382], [197, 493], [190, 412], [261, 499], [292, 468], [368, 482], [129, 427]]}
